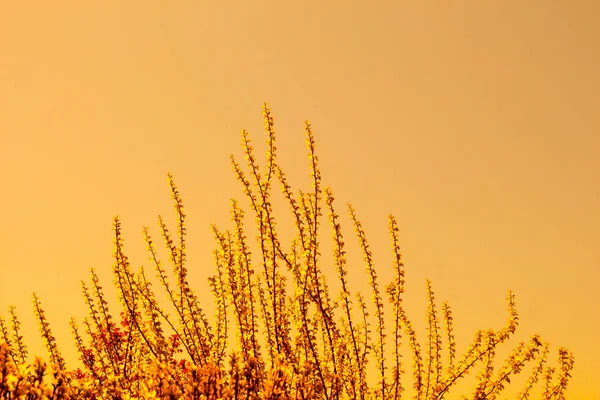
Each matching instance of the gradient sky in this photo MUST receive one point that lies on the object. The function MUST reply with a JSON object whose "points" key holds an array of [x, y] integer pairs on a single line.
{"points": [[476, 125]]}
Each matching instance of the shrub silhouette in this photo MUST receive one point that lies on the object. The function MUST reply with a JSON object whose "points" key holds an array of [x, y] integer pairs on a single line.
{"points": [[293, 340]]}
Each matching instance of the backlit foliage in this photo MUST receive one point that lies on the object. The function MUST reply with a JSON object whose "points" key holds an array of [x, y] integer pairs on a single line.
{"points": [[292, 338]]}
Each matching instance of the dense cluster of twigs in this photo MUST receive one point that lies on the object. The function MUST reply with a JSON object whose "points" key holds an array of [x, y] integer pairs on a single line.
{"points": [[293, 340]]}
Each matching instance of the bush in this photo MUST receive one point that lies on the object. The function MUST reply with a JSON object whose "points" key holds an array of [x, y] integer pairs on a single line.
{"points": [[293, 340]]}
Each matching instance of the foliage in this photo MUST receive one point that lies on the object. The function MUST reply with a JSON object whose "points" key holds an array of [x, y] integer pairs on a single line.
{"points": [[293, 340]]}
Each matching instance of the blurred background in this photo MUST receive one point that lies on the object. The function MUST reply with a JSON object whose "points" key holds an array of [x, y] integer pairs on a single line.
{"points": [[476, 125]]}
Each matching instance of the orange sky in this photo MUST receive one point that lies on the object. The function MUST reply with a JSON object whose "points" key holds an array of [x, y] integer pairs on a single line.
{"points": [[475, 125]]}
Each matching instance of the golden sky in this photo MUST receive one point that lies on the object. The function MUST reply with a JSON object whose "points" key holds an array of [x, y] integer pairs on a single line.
{"points": [[476, 125]]}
